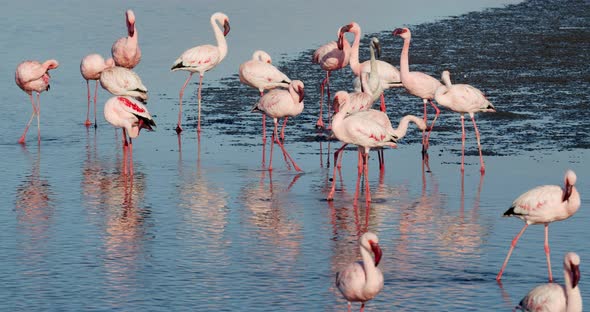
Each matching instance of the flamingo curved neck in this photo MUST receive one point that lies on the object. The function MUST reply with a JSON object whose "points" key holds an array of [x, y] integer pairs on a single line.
{"points": [[221, 43], [354, 53], [404, 123], [447, 81], [573, 295], [404, 61], [368, 264]]}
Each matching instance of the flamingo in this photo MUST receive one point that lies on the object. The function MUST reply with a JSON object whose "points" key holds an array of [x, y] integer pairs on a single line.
{"points": [[281, 103], [389, 75], [201, 59], [417, 83], [543, 205], [260, 74], [91, 67], [331, 56], [32, 76], [131, 115], [125, 82], [362, 280], [463, 98], [552, 297], [125, 50]]}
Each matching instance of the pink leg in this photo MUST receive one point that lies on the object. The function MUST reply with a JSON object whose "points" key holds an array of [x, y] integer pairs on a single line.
{"points": [[87, 122], [285, 153], [462, 143], [382, 107], [329, 103], [178, 127], [333, 190], [548, 252], [283, 130], [22, 138], [512, 245], [199, 109], [38, 118], [362, 307], [380, 154], [320, 123], [483, 166], [125, 144], [358, 184], [130, 157], [349, 306], [366, 165], [433, 122], [272, 144], [424, 146], [95, 94]]}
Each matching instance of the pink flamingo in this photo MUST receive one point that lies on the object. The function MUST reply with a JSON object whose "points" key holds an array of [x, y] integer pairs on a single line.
{"points": [[125, 50], [463, 98], [125, 82], [280, 103], [201, 59], [332, 56], [91, 67], [543, 205], [389, 75], [260, 74], [417, 83], [33, 76], [554, 297], [362, 280], [131, 115]]}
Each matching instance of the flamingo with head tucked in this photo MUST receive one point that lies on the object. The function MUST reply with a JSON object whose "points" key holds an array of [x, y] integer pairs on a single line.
{"points": [[417, 83], [281, 103], [91, 67], [260, 74], [463, 98], [32, 76], [125, 82], [543, 205], [332, 56], [362, 280], [202, 59], [552, 297], [126, 52], [389, 75], [131, 116]]}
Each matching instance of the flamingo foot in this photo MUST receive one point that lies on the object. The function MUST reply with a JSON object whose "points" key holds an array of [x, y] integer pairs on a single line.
{"points": [[21, 140], [320, 124], [178, 129], [87, 123]]}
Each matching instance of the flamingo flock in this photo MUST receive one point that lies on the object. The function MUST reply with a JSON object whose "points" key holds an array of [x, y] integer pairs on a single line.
{"points": [[354, 122]]}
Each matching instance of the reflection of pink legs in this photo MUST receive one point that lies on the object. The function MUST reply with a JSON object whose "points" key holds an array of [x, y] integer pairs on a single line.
{"points": [[95, 94], [87, 122], [337, 165], [199, 109], [462, 143], [366, 166]]}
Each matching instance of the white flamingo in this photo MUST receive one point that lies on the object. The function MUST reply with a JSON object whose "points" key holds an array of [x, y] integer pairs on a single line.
{"points": [[125, 82], [362, 280], [202, 59]]}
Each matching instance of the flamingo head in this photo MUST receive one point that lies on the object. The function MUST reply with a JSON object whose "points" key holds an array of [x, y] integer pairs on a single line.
{"points": [[297, 85], [109, 63], [130, 18], [570, 181], [370, 241], [262, 56], [571, 263], [51, 64], [340, 99], [402, 32]]}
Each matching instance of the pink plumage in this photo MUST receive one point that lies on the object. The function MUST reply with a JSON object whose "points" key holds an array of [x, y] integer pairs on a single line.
{"points": [[91, 67], [126, 52]]}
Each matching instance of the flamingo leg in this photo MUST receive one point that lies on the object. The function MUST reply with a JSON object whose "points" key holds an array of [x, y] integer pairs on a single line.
{"points": [[130, 157], [320, 123], [178, 127], [382, 107], [433, 122], [366, 166], [285, 153], [512, 245], [424, 146], [38, 118], [199, 109], [95, 94], [87, 122], [328, 102], [349, 306], [483, 166], [283, 130], [333, 189], [125, 144], [22, 138], [272, 144], [362, 307], [263, 134], [548, 252], [462, 143]]}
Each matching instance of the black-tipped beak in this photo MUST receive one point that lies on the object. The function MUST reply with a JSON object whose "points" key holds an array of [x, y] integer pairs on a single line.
{"points": [[225, 28], [568, 191], [301, 93], [377, 251], [575, 275], [397, 31], [377, 47]]}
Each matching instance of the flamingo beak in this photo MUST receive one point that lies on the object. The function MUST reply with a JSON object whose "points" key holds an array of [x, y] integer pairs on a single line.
{"points": [[225, 28], [301, 94], [336, 105], [377, 251], [340, 42], [575, 275], [377, 49], [398, 31], [568, 191]]}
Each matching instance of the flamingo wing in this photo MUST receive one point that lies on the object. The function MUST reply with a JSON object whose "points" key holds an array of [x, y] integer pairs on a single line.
{"points": [[351, 281], [536, 201], [198, 59], [134, 107], [549, 297]]}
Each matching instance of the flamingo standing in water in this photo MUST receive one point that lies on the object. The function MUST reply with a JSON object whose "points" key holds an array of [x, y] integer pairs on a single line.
{"points": [[280, 103], [259, 73], [553, 297], [125, 82], [543, 205], [32, 76], [125, 50], [417, 83], [332, 56], [362, 280], [201, 59], [129, 114], [91, 67], [389, 75], [463, 98]]}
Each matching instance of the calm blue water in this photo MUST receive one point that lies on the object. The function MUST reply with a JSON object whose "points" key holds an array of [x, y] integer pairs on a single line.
{"points": [[206, 229]]}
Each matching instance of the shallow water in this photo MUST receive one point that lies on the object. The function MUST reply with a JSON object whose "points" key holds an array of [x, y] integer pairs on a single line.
{"points": [[207, 229]]}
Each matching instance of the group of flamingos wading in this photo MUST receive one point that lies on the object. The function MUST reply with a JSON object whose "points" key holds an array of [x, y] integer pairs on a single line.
{"points": [[353, 121]]}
